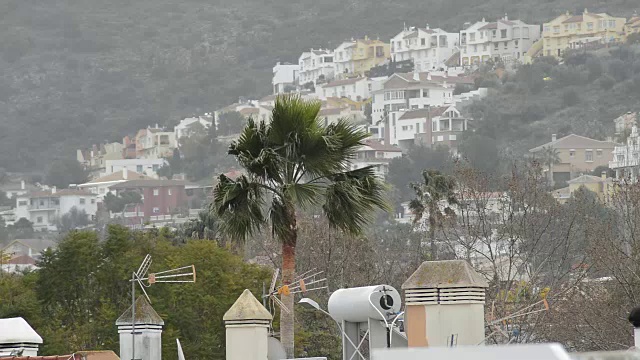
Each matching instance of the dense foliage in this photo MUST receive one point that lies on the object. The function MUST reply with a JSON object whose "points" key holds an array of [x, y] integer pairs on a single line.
{"points": [[82, 288], [73, 73]]}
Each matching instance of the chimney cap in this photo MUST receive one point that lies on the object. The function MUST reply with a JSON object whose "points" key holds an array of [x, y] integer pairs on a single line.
{"points": [[445, 274], [145, 314], [247, 307]]}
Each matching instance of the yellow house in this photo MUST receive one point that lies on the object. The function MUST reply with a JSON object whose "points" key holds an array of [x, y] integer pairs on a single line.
{"points": [[632, 26], [602, 186], [357, 57], [575, 31]]}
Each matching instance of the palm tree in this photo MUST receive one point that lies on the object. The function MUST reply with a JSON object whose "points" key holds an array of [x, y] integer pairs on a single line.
{"points": [[435, 188], [294, 163], [550, 157]]}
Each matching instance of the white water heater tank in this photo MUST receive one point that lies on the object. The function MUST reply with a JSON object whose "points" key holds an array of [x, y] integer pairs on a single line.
{"points": [[355, 304]]}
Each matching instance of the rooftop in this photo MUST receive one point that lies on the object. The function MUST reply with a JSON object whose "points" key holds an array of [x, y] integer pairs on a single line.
{"points": [[147, 183], [118, 176], [38, 245], [574, 141], [443, 274], [378, 146], [59, 193], [344, 82]]}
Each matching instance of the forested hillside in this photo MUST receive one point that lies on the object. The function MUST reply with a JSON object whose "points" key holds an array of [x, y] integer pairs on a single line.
{"points": [[74, 72]]}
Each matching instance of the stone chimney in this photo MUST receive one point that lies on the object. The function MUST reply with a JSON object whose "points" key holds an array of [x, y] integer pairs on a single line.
{"points": [[554, 137], [148, 332], [23, 185], [125, 173], [444, 304], [247, 324], [54, 189]]}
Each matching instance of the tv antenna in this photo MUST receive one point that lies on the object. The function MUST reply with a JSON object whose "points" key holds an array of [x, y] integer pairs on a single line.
{"points": [[185, 274], [299, 285]]}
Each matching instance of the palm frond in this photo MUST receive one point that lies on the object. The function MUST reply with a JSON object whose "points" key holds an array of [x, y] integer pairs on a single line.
{"points": [[238, 204], [304, 195], [282, 225], [352, 197]]}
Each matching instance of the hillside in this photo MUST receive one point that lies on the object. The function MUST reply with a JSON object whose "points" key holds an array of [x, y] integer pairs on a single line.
{"points": [[74, 72]]}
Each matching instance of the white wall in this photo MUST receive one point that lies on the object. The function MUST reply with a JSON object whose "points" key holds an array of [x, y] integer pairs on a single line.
{"points": [[90, 205], [284, 74], [149, 166]]}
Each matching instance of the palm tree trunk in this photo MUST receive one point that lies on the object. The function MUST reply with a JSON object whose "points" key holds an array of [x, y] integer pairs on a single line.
{"points": [[288, 274]]}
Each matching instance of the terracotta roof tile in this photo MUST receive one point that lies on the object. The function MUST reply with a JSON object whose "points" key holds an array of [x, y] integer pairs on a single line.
{"points": [[574, 19], [119, 176], [575, 142]]}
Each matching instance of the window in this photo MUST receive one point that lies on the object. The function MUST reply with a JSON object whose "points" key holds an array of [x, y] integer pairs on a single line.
{"points": [[434, 126], [516, 42], [139, 169], [495, 46], [547, 28], [41, 202], [503, 33], [39, 219], [588, 156], [425, 92], [453, 137], [572, 153], [590, 26], [156, 210], [556, 29], [22, 203], [440, 138], [612, 23], [423, 41], [599, 153], [394, 95], [156, 192], [417, 127], [481, 34], [168, 191], [93, 201], [472, 37], [484, 47], [82, 201]]}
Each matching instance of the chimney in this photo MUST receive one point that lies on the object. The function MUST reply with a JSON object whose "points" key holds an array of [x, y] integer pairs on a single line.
{"points": [[443, 298], [416, 75], [246, 322], [506, 17], [148, 332], [429, 76], [23, 185], [54, 190], [22, 338], [125, 173], [554, 137]]}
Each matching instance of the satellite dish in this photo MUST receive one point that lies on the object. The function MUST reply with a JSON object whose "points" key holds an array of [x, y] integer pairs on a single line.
{"points": [[275, 349], [180, 353]]}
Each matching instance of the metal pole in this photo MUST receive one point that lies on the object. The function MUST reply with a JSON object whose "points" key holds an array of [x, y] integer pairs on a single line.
{"points": [[133, 317]]}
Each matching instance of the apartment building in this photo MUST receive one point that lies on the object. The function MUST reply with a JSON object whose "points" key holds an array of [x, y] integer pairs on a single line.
{"points": [[377, 155], [155, 143], [576, 154], [147, 167], [447, 126], [356, 89], [187, 125], [569, 31], [503, 40], [316, 66], [632, 26], [285, 77], [44, 208], [95, 157], [626, 157], [160, 198], [429, 49], [357, 57], [412, 91]]}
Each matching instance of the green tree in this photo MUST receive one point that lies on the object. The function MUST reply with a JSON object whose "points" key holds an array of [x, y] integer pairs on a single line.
{"points": [[408, 169], [73, 219], [549, 157], [434, 189], [116, 204], [293, 162], [173, 165], [21, 229], [231, 122], [66, 171], [481, 152]]}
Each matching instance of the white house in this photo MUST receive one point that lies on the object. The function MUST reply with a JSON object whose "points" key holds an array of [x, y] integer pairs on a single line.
{"points": [[332, 115], [409, 125], [505, 40], [147, 167], [285, 76], [100, 186], [184, 128], [374, 153], [412, 91], [316, 66], [356, 89], [626, 157], [44, 208], [428, 48]]}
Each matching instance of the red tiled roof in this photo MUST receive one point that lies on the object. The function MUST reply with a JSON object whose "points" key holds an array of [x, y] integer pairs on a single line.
{"points": [[343, 82], [489, 26], [22, 260], [574, 19], [424, 113]]}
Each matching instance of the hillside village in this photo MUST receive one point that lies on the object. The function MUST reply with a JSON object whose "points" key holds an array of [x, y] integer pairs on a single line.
{"points": [[415, 90], [548, 223]]}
